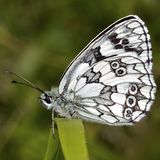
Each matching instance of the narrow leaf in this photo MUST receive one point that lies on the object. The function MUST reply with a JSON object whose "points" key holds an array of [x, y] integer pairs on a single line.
{"points": [[54, 151], [72, 139]]}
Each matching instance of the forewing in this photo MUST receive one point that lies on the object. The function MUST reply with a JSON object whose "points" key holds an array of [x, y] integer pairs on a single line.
{"points": [[127, 36]]}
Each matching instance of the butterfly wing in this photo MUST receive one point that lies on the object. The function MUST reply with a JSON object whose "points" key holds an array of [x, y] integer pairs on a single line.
{"points": [[111, 79]]}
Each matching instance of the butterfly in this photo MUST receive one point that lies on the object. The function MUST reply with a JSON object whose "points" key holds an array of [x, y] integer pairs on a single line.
{"points": [[110, 81]]}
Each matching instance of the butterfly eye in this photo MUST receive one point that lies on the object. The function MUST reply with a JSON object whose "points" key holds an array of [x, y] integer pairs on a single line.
{"points": [[47, 99], [115, 65]]}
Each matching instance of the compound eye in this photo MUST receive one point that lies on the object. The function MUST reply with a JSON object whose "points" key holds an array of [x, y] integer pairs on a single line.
{"points": [[47, 99]]}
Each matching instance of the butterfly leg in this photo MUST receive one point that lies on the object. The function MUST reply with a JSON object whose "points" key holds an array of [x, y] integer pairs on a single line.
{"points": [[53, 122]]}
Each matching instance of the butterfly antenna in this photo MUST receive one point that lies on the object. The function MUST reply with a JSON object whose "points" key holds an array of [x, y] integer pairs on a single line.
{"points": [[26, 82]]}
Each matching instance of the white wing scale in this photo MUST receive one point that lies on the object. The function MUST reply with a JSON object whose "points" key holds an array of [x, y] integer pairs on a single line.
{"points": [[111, 80]]}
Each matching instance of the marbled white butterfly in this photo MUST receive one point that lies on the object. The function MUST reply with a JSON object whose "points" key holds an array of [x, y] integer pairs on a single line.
{"points": [[111, 80]]}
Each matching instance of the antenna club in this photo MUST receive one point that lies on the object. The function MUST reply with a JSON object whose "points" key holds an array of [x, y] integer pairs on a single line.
{"points": [[14, 82]]}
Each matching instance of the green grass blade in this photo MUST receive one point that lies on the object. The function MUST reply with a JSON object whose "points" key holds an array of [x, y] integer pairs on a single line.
{"points": [[72, 138], [54, 151]]}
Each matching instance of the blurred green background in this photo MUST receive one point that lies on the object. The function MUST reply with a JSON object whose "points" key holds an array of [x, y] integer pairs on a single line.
{"points": [[38, 39]]}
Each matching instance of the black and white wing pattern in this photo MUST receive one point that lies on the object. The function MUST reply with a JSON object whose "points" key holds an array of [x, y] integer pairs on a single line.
{"points": [[111, 80]]}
